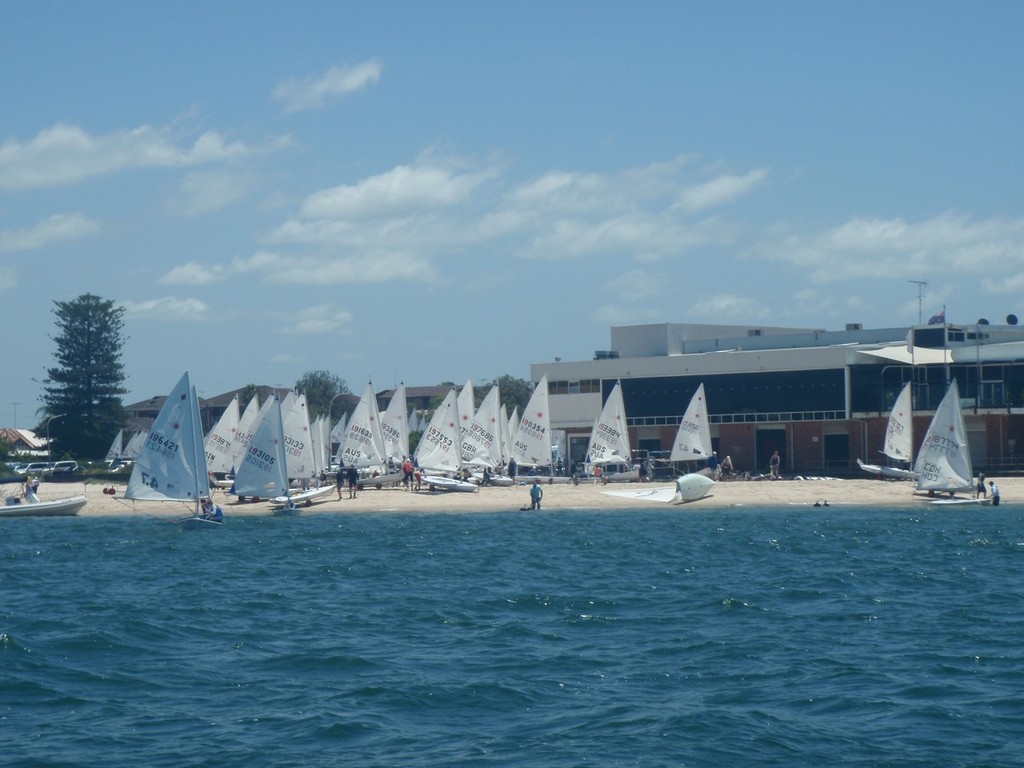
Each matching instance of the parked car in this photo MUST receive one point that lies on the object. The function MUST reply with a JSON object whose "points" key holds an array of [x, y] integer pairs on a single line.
{"points": [[65, 466], [36, 468]]}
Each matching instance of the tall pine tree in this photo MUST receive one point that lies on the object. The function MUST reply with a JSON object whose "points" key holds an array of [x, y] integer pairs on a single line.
{"points": [[86, 385]]}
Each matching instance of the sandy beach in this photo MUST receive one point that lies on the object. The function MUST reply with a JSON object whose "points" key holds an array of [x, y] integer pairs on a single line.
{"points": [[737, 493]]}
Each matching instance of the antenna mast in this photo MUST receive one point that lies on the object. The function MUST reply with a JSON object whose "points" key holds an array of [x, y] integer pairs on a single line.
{"points": [[920, 298]]}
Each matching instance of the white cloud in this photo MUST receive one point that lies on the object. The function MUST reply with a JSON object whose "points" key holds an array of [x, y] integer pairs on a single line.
{"points": [[203, 193], [318, 270], [1005, 284], [8, 278], [335, 83], [638, 284], [194, 273], [728, 308], [945, 245], [323, 318], [400, 224], [719, 191], [401, 190], [612, 314], [168, 308], [66, 154], [56, 229]]}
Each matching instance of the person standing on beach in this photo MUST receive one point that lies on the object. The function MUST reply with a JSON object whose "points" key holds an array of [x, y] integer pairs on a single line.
{"points": [[339, 479], [407, 469], [773, 464], [536, 494], [994, 492], [979, 491], [353, 481], [512, 467]]}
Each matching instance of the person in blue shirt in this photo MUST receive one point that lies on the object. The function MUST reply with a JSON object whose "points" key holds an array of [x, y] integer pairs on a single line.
{"points": [[536, 494]]}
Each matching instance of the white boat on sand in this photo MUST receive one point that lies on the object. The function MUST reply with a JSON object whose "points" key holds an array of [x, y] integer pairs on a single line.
{"points": [[442, 483], [944, 461], [691, 487], [899, 440]]}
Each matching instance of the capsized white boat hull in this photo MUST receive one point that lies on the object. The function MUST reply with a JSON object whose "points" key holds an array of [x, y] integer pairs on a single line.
{"points": [[502, 480], [379, 481], [440, 483], [303, 498], [893, 472], [688, 488]]}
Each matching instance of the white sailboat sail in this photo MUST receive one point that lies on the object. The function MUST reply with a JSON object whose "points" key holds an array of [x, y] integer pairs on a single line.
{"points": [[364, 442], [131, 450], [531, 444], [899, 433], [298, 440], [394, 427], [263, 471], [693, 439], [467, 407], [481, 446], [244, 430], [504, 435], [220, 441], [171, 465], [609, 439], [944, 460], [439, 447], [338, 437], [321, 443], [116, 447]]}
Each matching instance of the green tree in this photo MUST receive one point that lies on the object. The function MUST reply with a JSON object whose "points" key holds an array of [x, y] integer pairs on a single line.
{"points": [[320, 388], [515, 393], [82, 408]]}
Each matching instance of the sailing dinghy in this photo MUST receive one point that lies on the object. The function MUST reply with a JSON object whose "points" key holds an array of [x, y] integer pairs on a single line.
{"points": [[944, 461], [609, 440], [439, 453], [171, 465], [899, 439]]}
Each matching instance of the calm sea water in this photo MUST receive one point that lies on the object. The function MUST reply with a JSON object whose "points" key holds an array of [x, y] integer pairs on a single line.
{"points": [[665, 637]]}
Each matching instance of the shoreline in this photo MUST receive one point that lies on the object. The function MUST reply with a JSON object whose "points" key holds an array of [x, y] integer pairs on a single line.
{"points": [[586, 496]]}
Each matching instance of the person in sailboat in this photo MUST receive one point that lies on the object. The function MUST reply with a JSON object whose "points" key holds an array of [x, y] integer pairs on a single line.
{"points": [[209, 511]]}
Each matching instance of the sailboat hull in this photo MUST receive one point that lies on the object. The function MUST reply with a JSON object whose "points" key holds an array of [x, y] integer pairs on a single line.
{"points": [[198, 523], [894, 472], [437, 483]]}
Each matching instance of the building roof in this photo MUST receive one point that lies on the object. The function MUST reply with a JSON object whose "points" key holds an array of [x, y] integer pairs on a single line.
{"points": [[22, 439]]}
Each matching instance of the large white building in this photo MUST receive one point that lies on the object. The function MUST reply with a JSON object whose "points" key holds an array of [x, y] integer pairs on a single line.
{"points": [[821, 398]]}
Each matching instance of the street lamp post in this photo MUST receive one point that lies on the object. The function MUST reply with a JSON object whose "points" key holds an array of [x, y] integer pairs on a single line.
{"points": [[49, 454]]}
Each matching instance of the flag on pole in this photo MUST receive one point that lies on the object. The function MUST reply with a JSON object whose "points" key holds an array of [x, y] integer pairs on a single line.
{"points": [[938, 318]]}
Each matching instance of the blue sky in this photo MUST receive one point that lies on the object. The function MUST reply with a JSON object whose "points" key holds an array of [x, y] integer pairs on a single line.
{"points": [[438, 191]]}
